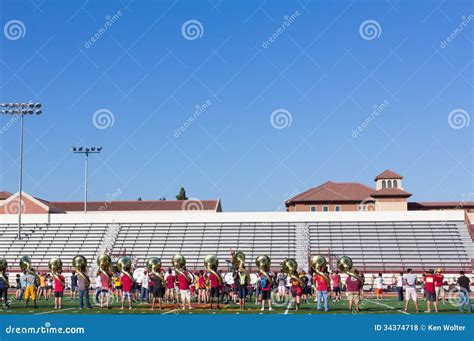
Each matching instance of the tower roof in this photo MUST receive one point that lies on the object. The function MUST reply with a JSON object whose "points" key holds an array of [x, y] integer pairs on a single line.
{"points": [[388, 174]]}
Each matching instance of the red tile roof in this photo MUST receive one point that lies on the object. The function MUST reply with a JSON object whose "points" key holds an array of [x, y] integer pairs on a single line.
{"points": [[334, 192], [5, 195], [390, 192], [140, 205], [388, 174]]}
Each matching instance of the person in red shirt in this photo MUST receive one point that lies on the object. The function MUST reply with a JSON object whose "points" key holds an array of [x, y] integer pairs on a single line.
{"points": [[353, 287], [430, 291], [58, 289], [184, 280], [322, 288], [439, 290], [215, 288], [170, 294], [296, 290], [127, 283], [336, 285]]}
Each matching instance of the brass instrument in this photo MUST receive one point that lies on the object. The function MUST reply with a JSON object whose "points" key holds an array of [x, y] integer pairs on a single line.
{"points": [[154, 266], [344, 264], [179, 262], [290, 267], [80, 265], [318, 263], [238, 259], [25, 265], [211, 263], [105, 262], [55, 264], [263, 263], [124, 265], [3, 269]]}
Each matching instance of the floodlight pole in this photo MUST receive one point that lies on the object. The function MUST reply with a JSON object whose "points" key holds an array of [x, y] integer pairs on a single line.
{"points": [[20, 181], [20, 109], [86, 151]]}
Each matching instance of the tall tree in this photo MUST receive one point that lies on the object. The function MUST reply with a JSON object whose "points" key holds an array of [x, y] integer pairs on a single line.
{"points": [[182, 194]]}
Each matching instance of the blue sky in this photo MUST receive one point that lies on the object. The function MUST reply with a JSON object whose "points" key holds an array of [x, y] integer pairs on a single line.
{"points": [[356, 87]]}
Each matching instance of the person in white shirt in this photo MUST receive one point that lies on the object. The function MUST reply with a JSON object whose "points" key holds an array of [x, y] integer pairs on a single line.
{"points": [[410, 291], [379, 287], [400, 286], [98, 287], [145, 287]]}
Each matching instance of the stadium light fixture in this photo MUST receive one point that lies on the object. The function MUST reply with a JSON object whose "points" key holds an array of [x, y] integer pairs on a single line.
{"points": [[20, 109], [86, 151]]}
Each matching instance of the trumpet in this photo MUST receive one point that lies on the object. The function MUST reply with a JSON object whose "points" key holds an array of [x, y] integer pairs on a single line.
{"points": [[104, 262], [80, 265], [25, 265], [345, 264], [55, 264], [263, 263], [179, 262], [124, 264], [3, 269], [211, 263], [318, 263], [290, 267], [154, 266]]}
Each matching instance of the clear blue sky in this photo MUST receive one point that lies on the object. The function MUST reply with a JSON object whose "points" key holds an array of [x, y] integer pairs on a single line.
{"points": [[321, 67]]}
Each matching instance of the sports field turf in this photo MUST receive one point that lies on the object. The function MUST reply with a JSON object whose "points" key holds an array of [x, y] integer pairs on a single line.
{"points": [[368, 306]]}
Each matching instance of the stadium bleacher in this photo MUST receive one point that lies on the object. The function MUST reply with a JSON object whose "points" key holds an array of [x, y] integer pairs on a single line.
{"points": [[376, 241]]}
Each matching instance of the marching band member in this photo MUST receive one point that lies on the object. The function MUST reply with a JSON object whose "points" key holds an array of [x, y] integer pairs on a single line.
{"points": [[184, 281]]}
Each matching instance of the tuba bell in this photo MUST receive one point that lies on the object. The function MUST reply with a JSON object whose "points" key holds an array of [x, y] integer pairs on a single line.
{"points": [[179, 262], [290, 267], [105, 262], [153, 265], [3, 269], [124, 265], [211, 263], [55, 264], [318, 264], [238, 259], [344, 264], [25, 265], [80, 265], [263, 263]]}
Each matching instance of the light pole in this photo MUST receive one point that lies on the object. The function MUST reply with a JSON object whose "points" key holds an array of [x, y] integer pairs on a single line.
{"points": [[86, 151], [20, 109]]}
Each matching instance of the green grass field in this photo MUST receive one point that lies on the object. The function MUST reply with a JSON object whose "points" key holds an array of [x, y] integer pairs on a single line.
{"points": [[368, 306]]}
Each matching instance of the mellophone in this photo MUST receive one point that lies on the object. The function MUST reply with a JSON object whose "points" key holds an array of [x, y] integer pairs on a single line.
{"points": [[124, 264]]}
